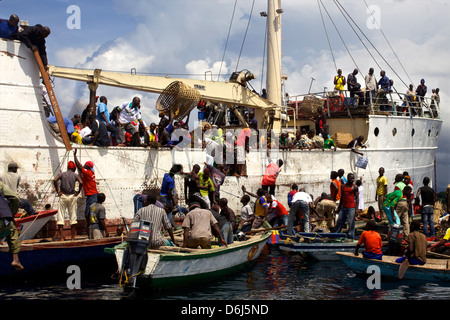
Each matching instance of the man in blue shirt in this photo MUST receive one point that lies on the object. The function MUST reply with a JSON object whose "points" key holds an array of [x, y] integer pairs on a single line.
{"points": [[8, 28], [384, 87], [103, 115]]}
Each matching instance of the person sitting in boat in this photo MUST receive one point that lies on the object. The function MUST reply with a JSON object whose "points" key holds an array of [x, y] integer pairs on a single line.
{"points": [[198, 225], [8, 28], [159, 219], [12, 180], [97, 216], [261, 207], [339, 81], [416, 250], [9, 205], [440, 246], [372, 242], [247, 214]]}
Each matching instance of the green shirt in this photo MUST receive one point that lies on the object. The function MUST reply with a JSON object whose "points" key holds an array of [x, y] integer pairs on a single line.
{"points": [[204, 183]]}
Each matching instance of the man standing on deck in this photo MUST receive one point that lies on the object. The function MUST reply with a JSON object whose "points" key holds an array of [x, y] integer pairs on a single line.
{"points": [[381, 193], [371, 87], [103, 115], [89, 184], [68, 198], [347, 206]]}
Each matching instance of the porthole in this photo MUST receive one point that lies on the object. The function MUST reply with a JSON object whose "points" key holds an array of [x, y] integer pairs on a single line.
{"points": [[376, 132], [394, 132]]}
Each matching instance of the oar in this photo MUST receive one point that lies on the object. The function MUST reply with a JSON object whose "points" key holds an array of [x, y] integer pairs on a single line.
{"points": [[403, 268], [438, 254]]}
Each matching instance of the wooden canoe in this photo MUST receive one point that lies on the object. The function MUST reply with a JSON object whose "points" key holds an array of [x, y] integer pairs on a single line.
{"points": [[169, 267], [44, 255], [433, 270]]}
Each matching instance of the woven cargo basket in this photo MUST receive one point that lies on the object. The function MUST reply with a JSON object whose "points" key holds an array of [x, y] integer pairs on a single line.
{"points": [[180, 98], [308, 107], [342, 139]]}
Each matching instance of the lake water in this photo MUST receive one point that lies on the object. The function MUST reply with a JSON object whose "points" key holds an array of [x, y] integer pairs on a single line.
{"points": [[277, 276]]}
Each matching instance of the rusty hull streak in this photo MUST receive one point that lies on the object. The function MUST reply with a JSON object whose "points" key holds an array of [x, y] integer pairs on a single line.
{"points": [[11, 54]]}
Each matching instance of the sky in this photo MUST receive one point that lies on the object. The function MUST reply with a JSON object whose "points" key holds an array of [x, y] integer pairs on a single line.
{"points": [[186, 38]]}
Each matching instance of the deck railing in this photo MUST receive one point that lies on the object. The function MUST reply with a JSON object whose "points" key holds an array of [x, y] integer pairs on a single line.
{"points": [[338, 103]]}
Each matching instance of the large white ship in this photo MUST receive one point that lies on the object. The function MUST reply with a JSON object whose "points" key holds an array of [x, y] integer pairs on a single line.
{"points": [[396, 141]]}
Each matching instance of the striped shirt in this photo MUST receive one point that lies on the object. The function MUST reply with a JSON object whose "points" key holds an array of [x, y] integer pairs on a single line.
{"points": [[158, 218]]}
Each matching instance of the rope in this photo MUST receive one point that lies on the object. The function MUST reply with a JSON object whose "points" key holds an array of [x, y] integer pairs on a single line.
{"points": [[340, 36], [228, 37], [326, 33], [245, 35], [379, 27], [337, 3]]}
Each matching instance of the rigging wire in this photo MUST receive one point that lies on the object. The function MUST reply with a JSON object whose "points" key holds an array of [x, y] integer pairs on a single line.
{"points": [[393, 51], [336, 1], [340, 36], [328, 39], [245, 35], [339, 7], [228, 37]]}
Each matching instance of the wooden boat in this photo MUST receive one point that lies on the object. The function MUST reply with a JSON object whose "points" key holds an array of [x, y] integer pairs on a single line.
{"points": [[44, 255], [29, 226], [319, 246], [433, 270], [169, 267]]}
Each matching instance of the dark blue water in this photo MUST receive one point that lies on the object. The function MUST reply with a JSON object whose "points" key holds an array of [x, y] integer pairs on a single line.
{"points": [[275, 276]]}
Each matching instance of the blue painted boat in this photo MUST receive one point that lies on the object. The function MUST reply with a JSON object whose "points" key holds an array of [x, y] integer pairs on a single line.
{"points": [[319, 246], [41, 255], [433, 270]]}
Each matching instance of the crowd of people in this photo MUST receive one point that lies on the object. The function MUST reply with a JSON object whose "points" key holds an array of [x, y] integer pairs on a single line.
{"points": [[374, 92]]}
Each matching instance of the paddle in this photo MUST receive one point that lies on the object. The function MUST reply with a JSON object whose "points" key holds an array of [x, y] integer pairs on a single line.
{"points": [[403, 268]]}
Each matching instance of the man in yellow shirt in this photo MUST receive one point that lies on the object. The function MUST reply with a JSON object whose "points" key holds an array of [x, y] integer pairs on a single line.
{"points": [[380, 196], [206, 187]]}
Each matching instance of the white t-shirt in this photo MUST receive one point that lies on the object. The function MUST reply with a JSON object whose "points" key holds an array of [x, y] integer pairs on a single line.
{"points": [[302, 196]]}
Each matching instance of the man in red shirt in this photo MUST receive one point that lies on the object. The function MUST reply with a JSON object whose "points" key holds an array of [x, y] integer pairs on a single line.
{"points": [[347, 206], [89, 184], [372, 242], [278, 215], [270, 176]]}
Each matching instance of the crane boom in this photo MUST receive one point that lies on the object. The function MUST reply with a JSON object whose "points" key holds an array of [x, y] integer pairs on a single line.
{"points": [[229, 93]]}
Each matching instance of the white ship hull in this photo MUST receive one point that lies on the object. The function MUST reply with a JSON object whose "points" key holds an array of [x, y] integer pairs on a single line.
{"points": [[121, 172]]}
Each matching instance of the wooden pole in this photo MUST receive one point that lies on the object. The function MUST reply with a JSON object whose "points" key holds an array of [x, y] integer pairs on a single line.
{"points": [[54, 102]]}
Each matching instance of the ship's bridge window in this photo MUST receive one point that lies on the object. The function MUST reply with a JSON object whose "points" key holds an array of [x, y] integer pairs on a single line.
{"points": [[376, 132], [394, 132]]}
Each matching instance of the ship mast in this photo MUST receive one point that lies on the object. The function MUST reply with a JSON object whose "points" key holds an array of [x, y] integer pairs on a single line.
{"points": [[273, 79]]}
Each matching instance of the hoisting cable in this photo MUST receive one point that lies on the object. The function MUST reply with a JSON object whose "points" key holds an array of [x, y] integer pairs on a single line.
{"points": [[245, 35], [340, 36], [379, 27], [328, 39], [228, 37]]}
